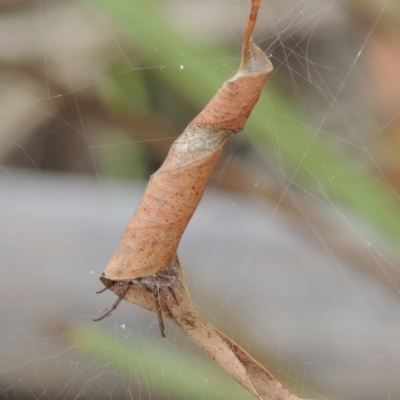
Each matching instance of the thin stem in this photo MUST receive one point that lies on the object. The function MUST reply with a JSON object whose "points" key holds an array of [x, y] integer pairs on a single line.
{"points": [[251, 22]]}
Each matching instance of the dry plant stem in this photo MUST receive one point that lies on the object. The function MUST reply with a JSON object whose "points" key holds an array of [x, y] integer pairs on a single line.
{"points": [[176, 305], [251, 23]]}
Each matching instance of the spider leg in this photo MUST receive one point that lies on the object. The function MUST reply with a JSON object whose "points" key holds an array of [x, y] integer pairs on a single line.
{"points": [[115, 305], [103, 290], [156, 294], [172, 291]]}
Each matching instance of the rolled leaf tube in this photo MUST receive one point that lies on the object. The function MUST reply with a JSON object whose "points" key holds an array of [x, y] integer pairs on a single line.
{"points": [[150, 241]]}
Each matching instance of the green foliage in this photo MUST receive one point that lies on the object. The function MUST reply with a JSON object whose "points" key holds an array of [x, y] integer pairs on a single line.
{"points": [[122, 158], [163, 371]]}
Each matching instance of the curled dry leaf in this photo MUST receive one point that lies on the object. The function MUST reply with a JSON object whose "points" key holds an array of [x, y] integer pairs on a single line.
{"points": [[150, 241], [145, 269]]}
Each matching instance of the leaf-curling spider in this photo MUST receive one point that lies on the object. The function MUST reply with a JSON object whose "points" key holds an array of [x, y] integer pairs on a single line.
{"points": [[155, 284]]}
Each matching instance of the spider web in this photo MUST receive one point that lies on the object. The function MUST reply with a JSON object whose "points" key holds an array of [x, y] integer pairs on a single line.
{"points": [[279, 255]]}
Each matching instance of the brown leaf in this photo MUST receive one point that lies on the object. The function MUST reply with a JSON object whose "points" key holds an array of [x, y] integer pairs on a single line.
{"points": [[151, 239]]}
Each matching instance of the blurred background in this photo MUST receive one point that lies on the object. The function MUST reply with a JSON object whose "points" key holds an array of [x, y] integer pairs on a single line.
{"points": [[294, 250]]}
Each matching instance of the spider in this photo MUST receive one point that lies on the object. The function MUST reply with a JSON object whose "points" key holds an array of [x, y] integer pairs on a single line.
{"points": [[154, 284]]}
